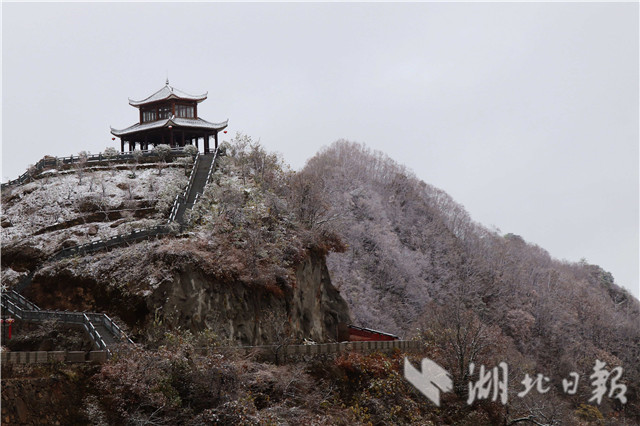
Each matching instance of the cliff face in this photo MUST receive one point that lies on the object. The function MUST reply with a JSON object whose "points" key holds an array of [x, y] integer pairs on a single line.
{"points": [[170, 284], [250, 314]]}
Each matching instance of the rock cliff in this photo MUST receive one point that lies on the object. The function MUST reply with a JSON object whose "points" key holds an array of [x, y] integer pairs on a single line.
{"points": [[163, 285], [251, 314]]}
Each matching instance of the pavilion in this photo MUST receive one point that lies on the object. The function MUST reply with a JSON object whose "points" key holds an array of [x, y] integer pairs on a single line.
{"points": [[169, 116]]}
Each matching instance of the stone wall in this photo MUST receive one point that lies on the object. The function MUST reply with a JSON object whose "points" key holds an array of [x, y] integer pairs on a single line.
{"points": [[267, 351]]}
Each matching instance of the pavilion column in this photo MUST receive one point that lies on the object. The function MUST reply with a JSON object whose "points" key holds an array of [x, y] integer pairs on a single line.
{"points": [[131, 146], [197, 144], [215, 135], [121, 144], [182, 133], [172, 143], [206, 144]]}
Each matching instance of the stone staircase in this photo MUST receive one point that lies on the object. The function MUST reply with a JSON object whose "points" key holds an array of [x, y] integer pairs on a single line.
{"points": [[107, 337], [199, 178]]}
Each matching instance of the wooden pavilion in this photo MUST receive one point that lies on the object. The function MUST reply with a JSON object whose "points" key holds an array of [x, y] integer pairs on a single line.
{"points": [[169, 116]]}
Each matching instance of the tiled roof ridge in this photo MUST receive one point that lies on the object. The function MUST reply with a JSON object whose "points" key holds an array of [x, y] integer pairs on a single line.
{"points": [[169, 91], [193, 122]]}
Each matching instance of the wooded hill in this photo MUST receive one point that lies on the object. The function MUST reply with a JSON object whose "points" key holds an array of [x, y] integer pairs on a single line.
{"points": [[405, 256], [418, 265]]}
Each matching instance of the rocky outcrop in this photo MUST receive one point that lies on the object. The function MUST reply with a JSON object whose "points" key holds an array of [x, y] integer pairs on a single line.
{"points": [[164, 285], [255, 314], [21, 257]]}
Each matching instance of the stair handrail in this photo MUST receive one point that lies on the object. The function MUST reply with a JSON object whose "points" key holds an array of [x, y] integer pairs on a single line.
{"points": [[12, 308], [182, 198], [20, 301], [213, 163], [208, 178], [95, 245], [192, 178], [95, 337], [82, 318], [114, 329]]}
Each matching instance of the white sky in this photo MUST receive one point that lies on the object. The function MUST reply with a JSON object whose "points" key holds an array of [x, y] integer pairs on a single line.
{"points": [[526, 113]]}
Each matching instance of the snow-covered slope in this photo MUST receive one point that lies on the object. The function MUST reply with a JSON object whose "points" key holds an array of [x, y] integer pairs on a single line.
{"points": [[74, 208]]}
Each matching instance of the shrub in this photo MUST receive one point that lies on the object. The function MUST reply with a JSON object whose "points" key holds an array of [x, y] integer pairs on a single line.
{"points": [[191, 150]]}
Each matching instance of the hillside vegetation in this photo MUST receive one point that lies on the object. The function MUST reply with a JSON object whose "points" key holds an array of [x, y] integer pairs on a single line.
{"points": [[417, 265], [249, 267]]}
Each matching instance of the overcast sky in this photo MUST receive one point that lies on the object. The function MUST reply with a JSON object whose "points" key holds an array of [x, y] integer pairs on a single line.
{"points": [[525, 113]]}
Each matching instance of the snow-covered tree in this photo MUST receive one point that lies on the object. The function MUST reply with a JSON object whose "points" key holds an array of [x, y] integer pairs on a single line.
{"points": [[110, 153], [186, 162], [163, 151], [191, 150], [80, 165]]}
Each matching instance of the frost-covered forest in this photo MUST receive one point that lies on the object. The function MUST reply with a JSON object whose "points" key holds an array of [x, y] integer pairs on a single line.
{"points": [[419, 266]]}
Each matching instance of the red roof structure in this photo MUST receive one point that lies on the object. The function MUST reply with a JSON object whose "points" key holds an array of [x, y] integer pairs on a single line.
{"points": [[169, 116], [361, 334]]}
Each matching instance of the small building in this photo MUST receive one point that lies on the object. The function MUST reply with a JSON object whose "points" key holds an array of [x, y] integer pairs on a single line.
{"points": [[361, 334], [169, 116]]}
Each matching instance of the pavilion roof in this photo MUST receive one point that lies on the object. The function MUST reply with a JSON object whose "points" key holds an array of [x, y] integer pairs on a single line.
{"points": [[168, 92], [197, 123]]}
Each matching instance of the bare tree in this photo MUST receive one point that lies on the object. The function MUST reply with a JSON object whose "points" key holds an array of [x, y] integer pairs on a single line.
{"points": [[92, 181], [459, 333], [186, 162], [281, 333], [80, 165], [31, 171], [133, 165], [104, 207]]}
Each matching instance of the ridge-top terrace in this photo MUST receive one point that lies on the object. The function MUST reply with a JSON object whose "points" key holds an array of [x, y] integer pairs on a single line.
{"points": [[169, 116]]}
